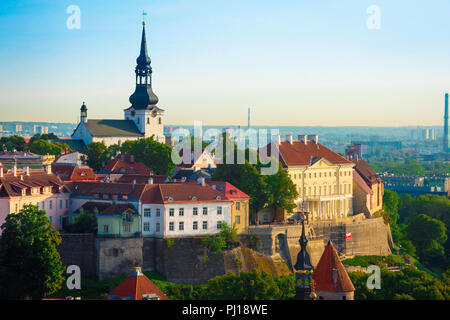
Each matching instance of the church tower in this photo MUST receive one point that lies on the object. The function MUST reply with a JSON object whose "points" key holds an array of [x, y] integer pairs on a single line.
{"points": [[143, 111]]}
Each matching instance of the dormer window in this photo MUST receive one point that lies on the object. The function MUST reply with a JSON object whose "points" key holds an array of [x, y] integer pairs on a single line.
{"points": [[193, 198], [169, 198], [217, 197]]}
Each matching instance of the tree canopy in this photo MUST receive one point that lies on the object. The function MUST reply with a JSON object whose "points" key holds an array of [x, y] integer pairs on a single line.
{"points": [[32, 265]]}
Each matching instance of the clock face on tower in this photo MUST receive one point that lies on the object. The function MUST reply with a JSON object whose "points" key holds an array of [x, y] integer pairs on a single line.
{"points": [[154, 113]]}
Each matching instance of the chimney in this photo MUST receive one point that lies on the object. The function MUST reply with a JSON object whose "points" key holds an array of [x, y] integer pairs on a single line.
{"points": [[1, 172], [27, 170], [134, 181], [314, 138], [150, 180], [289, 138], [48, 169], [132, 159], [138, 271], [201, 181], [302, 138], [276, 139], [14, 171]]}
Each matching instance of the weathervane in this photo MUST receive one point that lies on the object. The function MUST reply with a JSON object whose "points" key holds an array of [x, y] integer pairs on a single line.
{"points": [[143, 17]]}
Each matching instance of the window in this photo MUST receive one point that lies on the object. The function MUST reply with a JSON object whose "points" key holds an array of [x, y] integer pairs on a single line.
{"points": [[51, 204], [148, 120], [146, 226], [238, 206], [171, 227], [219, 224], [181, 212], [181, 226], [105, 228], [43, 205], [195, 211], [205, 211], [60, 219], [205, 225], [138, 120], [51, 220], [219, 210], [126, 227], [158, 227], [171, 212], [67, 203], [60, 204], [238, 219], [159, 121], [158, 212], [194, 225], [147, 212]]}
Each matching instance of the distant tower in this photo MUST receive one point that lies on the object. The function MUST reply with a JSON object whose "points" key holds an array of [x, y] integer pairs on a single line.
{"points": [[248, 118], [304, 289], [83, 113], [445, 146]]}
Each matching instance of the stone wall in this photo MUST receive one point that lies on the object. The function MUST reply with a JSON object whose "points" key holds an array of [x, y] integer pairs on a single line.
{"points": [[118, 257], [79, 249]]}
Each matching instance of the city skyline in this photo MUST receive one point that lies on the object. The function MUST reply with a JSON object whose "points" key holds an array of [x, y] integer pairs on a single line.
{"points": [[291, 69]]}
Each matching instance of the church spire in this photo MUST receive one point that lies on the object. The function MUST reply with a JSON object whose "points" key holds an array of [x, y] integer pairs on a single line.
{"points": [[143, 97], [303, 268]]}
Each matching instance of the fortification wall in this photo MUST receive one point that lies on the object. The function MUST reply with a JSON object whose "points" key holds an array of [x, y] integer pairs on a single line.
{"points": [[79, 249]]}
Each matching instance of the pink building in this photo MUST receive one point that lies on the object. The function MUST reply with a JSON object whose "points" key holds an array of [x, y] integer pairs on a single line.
{"points": [[42, 188]]}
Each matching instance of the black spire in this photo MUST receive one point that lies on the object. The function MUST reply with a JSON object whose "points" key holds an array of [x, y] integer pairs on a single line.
{"points": [[143, 97], [303, 268]]}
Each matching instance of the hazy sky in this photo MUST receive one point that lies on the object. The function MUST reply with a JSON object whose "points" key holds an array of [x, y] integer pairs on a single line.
{"points": [[300, 62]]}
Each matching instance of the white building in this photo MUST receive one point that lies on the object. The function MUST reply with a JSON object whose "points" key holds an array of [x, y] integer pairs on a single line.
{"points": [[183, 210], [142, 119]]}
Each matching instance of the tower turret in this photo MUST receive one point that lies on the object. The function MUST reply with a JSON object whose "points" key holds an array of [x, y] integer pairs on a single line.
{"points": [[143, 96], [83, 113], [303, 269]]}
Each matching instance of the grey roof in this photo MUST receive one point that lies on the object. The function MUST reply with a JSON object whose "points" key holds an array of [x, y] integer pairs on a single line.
{"points": [[74, 144], [112, 128]]}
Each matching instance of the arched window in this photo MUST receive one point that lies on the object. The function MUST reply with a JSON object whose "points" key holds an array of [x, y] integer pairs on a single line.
{"points": [[148, 120], [159, 120]]}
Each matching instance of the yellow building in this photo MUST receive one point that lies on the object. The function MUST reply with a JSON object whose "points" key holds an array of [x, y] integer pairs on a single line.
{"points": [[368, 189], [240, 207], [323, 178]]}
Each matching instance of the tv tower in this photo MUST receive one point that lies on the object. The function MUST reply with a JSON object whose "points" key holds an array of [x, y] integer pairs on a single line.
{"points": [[248, 118]]}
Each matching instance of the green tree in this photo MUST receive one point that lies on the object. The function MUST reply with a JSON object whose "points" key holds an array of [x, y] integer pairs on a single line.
{"points": [[428, 235], [97, 155], [153, 154], [253, 285], [43, 147], [32, 265], [281, 191], [86, 222]]}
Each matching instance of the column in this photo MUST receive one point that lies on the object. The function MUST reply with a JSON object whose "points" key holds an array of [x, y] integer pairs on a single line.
{"points": [[319, 209]]}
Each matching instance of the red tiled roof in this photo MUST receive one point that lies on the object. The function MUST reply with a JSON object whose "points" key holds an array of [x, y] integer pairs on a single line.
{"points": [[118, 209], [366, 172], [181, 193], [91, 188], [73, 173], [142, 179], [125, 163], [11, 186], [328, 264], [228, 190], [136, 286], [361, 183], [301, 154]]}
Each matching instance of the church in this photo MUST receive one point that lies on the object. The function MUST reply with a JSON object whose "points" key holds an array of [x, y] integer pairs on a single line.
{"points": [[142, 119]]}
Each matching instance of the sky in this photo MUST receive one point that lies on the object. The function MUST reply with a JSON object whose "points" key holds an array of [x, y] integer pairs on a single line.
{"points": [[299, 62]]}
